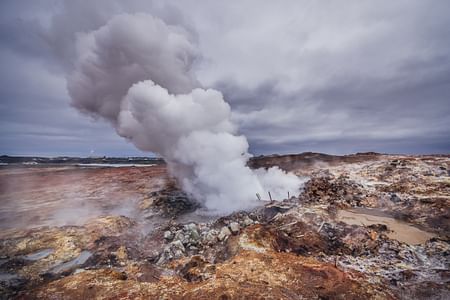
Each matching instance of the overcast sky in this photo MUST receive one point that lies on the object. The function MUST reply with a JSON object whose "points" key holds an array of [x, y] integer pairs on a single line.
{"points": [[325, 76]]}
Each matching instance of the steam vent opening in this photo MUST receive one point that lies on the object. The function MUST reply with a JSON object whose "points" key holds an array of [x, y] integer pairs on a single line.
{"points": [[224, 150], [172, 201]]}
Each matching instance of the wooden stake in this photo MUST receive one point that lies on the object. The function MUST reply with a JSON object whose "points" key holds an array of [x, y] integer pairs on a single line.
{"points": [[258, 196], [321, 225], [270, 196]]}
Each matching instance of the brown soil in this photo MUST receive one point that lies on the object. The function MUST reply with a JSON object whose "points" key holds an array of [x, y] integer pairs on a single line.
{"points": [[130, 233]]}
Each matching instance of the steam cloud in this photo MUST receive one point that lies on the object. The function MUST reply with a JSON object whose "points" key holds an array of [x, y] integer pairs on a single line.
{"points": [[136, 72]]}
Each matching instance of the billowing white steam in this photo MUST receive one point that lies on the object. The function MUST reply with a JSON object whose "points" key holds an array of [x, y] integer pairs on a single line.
{"points": [[136, 72]]}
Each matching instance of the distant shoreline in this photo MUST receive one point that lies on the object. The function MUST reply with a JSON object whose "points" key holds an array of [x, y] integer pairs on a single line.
{"points": [[6, 160]]}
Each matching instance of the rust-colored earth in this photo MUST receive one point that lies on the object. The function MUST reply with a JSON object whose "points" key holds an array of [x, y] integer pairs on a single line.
{"points": [[71, 232]]}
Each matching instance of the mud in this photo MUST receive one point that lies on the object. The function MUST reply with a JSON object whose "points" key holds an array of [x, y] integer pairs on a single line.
{"points": [[397, 230], [70, 195]]}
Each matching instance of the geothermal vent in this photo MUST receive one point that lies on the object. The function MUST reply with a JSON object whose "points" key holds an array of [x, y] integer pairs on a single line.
{"points": [[136, 73]]}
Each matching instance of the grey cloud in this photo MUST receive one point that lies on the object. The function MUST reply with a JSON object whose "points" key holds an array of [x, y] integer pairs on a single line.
{"points": [[366, 76], [302, 75], [36, 117]]}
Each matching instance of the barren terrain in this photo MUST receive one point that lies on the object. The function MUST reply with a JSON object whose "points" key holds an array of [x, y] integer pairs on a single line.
{"points": [[365, 226]]}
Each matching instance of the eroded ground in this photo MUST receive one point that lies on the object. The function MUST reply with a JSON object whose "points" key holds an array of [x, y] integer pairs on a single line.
{"points": [[365, 226]]}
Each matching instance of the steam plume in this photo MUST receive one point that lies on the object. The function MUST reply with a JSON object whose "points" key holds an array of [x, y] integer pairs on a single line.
{"points": [[135, 72]]}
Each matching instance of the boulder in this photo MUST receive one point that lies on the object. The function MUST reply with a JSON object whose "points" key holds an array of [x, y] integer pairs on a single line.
{"points": [[234, 227], [168, 235], [224, 233], [247, 221]]}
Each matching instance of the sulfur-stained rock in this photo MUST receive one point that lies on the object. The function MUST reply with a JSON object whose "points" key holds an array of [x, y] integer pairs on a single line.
{"points": [[122, 254], [300, 248], [268, 275]]}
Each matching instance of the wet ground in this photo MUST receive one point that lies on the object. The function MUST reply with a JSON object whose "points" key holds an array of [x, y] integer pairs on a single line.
{"points": [[397, 229], [71, 195], [365, 226]]}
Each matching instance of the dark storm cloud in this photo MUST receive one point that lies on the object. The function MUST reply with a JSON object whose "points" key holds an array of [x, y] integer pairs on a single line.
{"points": [[246, 99], [35, 115], [323, 77], [318, 76], [408, 113]]}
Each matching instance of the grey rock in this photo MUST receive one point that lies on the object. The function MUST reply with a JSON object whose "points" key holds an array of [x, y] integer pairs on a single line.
{"points": [[395, 198], [179, 236], [11, 280], [190, 227], [247, 221], [168, 235], [177, 246], [194, 236], [224, 233], [234, 227], [178, 254], [173, 250], [211, 237]]}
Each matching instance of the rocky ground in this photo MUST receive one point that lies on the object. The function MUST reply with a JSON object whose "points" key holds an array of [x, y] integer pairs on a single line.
{"points": [[365, 226]]}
